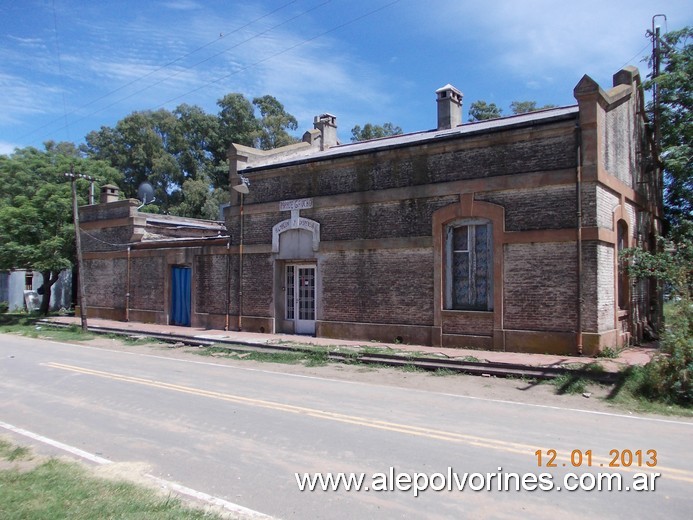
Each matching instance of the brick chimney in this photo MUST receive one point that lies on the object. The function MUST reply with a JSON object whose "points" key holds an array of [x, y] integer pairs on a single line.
{"points": [[327, 124], [109, 193], [449, 107]]}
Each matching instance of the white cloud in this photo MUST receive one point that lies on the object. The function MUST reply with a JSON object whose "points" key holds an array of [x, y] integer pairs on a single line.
{"points": [[7, 148], [22, 98], [544, 37], [182, 5]]}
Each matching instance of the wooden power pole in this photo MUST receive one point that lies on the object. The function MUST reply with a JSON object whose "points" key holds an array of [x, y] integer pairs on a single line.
{"points": [[78, 244]]}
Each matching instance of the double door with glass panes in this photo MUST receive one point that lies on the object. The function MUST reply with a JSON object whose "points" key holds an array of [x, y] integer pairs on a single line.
{"points": [[300, 297]]}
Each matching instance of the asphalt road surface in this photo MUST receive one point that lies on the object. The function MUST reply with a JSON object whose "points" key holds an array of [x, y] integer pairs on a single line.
{"points": [[242, 434]]}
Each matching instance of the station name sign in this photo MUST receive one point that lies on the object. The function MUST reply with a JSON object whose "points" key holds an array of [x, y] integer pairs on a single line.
{"points": [[288, 205]]}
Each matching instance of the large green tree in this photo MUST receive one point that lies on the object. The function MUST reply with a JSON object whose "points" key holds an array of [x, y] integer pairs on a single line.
{"points": [[371, 131], [274, 122], [183, 153], [674, 87], [36, 230]]}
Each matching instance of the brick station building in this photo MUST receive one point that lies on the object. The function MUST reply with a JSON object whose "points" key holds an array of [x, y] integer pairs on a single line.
{"points": [[501, 234]]}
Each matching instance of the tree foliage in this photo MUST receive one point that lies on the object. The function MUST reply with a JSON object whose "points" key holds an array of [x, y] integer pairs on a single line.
{"points": [[371, 131], [482, 111], [181, 151], [674, 87], [36, 230], [669, 376], [523, 107]]}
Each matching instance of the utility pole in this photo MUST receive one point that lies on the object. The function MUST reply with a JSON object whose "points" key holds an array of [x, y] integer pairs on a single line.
{"points": [[656, 62], [78, 244]]}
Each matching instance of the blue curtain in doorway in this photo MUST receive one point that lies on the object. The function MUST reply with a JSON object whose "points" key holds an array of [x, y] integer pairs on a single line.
{"points": [[180, 296]]}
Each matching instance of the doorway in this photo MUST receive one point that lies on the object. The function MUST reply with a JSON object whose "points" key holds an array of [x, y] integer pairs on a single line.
{"points": [[180, 295], [300, 297]]}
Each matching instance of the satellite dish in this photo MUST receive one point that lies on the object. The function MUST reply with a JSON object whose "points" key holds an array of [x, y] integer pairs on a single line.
{"points": [[145, 193]]}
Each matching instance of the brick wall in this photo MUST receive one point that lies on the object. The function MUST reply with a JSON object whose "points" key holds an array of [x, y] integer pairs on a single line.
{"points": [[619, 153], [147, 283], [105, 282], [99, 212], [258, 277], [606, 202], [540, 286], [106, 239], [550, 207], [378, 286], [474, 323], [211, 272], [379, 220], [606, 280], [414, 167]]}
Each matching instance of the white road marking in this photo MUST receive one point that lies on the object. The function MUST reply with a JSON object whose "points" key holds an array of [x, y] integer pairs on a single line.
{"points": [[167, 485], [56, 444], [318, 378]]}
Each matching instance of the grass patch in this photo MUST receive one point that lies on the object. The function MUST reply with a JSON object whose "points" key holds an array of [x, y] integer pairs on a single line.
{"points": [[11, 453], [443, 372], [570, 384], [55, 489], [628, 394], [609, 353], [28, 325], [312, 358], [409, 368]]}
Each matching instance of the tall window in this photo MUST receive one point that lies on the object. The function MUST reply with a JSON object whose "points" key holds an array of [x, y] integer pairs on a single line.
{"points": [[622, 243], [469, 265]]}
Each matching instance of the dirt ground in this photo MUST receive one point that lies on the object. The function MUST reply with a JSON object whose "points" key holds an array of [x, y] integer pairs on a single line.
{"points": [[477, 387]]}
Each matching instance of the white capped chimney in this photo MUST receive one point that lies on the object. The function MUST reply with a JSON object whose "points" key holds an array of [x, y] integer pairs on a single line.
{"points": [[449, 107], [327, 124]]}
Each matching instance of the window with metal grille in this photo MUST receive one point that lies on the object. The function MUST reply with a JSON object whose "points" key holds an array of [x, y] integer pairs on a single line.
{"points": [[469, 265], [290, 287]]}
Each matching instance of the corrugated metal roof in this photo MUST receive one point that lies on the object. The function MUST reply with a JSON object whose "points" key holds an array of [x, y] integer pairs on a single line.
{"points": [[540, 116]]}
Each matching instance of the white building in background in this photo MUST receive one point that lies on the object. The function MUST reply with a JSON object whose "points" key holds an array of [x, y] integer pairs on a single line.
{"points": [[19, 288]]}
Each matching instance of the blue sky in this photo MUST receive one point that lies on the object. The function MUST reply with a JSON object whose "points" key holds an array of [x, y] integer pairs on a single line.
{"points": [[68, 67]]}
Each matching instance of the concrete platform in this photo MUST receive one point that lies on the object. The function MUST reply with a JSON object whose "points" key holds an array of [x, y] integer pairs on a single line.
{"points": [[637, 355]]}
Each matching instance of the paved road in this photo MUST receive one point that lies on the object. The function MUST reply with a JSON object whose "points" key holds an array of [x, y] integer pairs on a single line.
{"points": [[241, 434]]}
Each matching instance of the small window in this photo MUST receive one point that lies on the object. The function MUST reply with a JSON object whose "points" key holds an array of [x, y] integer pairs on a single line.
{"points": [[469, 265], [29, 281]]}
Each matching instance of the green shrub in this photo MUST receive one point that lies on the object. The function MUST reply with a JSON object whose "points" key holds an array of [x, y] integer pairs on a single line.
{"points": [[669, 376], [4, 307]]}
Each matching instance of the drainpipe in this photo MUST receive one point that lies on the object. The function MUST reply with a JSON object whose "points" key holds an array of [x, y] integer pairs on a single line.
{"points": [[240, 272], [127, 289], [578, 193], [228, 281]]}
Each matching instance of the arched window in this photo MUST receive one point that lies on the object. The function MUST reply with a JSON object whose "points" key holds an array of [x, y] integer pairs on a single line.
{"points": [[469, 265], [622, 243]]}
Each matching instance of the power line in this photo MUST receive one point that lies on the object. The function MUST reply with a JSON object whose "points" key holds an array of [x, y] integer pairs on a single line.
{"points": [[292, 47], [139, 78], [173, 75], [639, 53], [60, 70], [254, 64]]}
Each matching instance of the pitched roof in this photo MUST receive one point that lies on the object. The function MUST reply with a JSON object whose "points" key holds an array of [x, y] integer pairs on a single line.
{"points": [[396, 141]]}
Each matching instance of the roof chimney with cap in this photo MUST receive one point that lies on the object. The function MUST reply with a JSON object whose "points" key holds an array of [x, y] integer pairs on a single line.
{"points": [[327, 124], [449, 107], [109, 193]]}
